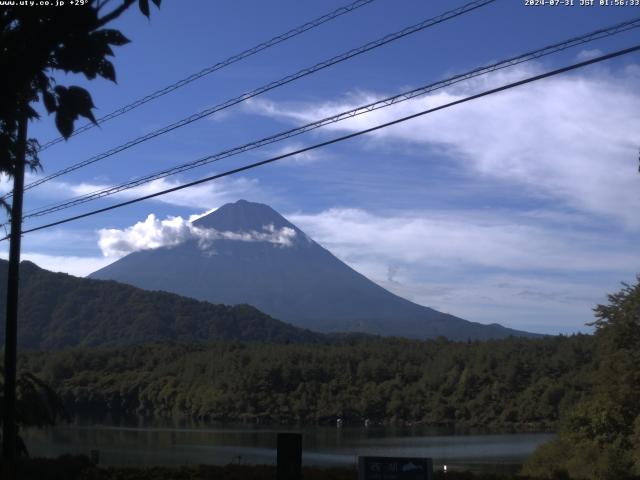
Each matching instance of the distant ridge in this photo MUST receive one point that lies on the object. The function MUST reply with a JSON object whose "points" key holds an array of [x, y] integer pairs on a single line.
{"points": [[59, 311], [260, 258]]}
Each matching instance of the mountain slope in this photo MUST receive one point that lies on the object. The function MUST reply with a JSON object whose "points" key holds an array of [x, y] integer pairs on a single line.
{"points": [[248, 253], [58, 310]]}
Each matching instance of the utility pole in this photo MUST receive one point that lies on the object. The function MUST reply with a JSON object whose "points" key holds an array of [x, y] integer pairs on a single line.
{"points": [[9, 427]]}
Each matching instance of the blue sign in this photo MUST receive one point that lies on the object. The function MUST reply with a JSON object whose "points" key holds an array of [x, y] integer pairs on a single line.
{"points": [[395, 468]]}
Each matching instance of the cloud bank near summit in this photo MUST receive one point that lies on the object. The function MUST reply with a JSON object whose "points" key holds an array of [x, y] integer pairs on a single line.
{"points": [[155, 233]]}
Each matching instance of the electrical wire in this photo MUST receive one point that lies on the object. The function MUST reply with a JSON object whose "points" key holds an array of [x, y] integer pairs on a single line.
{"points": [[265, 88], [294, 32], [386, 102], [341, 138]]}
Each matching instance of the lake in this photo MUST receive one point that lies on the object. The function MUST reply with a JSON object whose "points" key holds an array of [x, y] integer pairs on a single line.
{"points": [[324, 446]]}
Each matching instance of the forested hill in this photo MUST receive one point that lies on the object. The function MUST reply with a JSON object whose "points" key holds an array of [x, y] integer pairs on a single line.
{"points": [[513, 383], [58, 310]]}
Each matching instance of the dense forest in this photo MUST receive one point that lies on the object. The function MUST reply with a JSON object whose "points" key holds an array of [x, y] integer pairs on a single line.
{"points": [[513, 383], [58, 310], [585, 387], [600, 438]]}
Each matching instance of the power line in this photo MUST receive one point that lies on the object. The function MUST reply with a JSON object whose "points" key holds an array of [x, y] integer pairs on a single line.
{"points": [[386, 102], [265, 88], [340, 139], [217, 66]]}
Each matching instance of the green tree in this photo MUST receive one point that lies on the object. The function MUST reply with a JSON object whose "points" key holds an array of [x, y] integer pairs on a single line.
{"points": [[599, 439], [35, 43], [38, 405]]}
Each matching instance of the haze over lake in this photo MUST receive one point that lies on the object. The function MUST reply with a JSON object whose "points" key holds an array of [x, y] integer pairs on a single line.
{"points": [[324, 446]]}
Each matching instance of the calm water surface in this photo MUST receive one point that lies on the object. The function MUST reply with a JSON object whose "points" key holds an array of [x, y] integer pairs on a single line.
{"points": [[326, 446]]}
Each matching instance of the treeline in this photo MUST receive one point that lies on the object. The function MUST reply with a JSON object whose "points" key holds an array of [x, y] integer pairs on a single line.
{"points": [[514, 383]]}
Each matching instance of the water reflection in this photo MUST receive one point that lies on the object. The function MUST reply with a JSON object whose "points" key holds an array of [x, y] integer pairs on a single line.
{"points": [[189, 445]]}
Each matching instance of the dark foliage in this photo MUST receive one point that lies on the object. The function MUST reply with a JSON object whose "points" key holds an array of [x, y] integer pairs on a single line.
{"points": [[37, 404], [600, 438], [37, 41], [502, 384]]}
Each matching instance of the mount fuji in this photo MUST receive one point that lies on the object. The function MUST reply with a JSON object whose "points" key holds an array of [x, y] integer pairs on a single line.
{"points": [[247, 253]]}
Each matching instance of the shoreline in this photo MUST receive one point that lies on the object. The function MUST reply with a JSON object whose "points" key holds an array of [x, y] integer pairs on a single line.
{"points": [[80, 467], [323, 447]]}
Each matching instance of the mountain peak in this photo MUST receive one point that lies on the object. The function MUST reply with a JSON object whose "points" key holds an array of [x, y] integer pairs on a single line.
{"points": [[244, 216], [270, 267]]}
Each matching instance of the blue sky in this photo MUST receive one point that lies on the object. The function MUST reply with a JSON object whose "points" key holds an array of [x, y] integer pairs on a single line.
{"points": [[520, 208]]}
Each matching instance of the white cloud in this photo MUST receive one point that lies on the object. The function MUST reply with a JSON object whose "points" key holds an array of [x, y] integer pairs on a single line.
{"points": [[528, 302], [571, 138], [303, 158], [151, 233], [588, 54], [154, 233], [6, 182], [73, 265], [210, 193], [528, 270], [463, 239], [198, 216], [6, 185]]}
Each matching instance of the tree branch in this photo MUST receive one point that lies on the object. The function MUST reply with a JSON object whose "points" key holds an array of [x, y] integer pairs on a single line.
{"points": [[102, 4], [115, 13]]}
